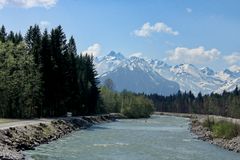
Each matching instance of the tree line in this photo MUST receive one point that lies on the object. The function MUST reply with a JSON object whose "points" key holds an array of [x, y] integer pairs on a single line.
{"points": [[41, 75], [225, 104], [127, 103]]}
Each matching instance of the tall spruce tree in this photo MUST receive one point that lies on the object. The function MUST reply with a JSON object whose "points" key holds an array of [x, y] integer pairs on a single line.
{"points": [[3, 34], [92, 84], [46, 71], [71, 82], [18, 38], [58, 49], [11, 37], [33, 41]]}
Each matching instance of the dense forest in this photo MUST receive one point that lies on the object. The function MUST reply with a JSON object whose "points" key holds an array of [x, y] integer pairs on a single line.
{"points": [[225, 104], [41, 75]]}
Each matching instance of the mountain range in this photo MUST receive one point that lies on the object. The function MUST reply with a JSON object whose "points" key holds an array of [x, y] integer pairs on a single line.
{"points": [[139, 75]]}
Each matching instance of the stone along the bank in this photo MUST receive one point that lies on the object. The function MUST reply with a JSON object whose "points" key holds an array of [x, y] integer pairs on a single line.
{"points": [[205, 134]]}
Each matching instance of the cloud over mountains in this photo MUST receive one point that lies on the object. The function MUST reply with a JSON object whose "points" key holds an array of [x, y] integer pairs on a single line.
{"points": [[197, 55], [147, 29], [28, 3], [94, 50], [233, 58]]}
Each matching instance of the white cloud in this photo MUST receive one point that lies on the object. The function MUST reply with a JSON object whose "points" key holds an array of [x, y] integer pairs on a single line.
{"points": [[189, 10], [28, 3], [137, 54], [94, 50], [3, 3], [146, 30], [193, 55], [44, 24], [233, 58], [234, 68]]}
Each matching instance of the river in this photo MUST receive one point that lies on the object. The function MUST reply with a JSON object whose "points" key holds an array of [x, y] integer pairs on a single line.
{"points": [[156, 138]]}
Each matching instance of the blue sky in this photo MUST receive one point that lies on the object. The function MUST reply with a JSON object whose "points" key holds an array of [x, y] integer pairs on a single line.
{"points": [[205, 33]]}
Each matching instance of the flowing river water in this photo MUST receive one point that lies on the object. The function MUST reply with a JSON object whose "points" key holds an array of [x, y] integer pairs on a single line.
{"points": [[156, 138]]}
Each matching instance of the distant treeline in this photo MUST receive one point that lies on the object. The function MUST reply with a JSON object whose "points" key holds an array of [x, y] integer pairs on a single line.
{"points": [[225, 104], [41, 75]]}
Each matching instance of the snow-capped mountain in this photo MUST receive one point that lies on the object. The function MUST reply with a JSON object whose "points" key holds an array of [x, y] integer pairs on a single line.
{"points": [[207, 71], [134, 74], [154, 76], [228, 75], [229, 86], [189, 77]]}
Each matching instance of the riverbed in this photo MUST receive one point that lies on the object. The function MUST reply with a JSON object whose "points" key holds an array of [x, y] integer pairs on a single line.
{"points": [[156, 138]]}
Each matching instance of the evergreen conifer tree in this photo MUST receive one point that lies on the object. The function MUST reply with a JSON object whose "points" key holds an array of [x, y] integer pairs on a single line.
{"points": [[3, 34]]}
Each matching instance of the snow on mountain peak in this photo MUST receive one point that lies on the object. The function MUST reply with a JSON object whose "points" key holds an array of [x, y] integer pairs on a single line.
{"points": [[207, 71], [156, 62], [156, 72], [116, 55], [185, 69]]}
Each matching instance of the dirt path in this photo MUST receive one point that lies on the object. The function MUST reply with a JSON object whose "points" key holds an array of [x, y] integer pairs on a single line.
{"points": [[19, 123]]}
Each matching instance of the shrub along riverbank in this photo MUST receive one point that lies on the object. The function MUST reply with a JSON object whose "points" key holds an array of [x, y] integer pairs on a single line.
{"points": [[129, 104], [222, 129]]}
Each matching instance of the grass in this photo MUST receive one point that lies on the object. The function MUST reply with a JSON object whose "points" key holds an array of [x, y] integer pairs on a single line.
{"points": [[222, 129], [225, 130]]}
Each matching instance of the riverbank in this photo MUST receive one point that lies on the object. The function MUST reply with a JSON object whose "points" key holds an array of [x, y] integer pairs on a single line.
{"points": [[14, 140], [204, 133]]}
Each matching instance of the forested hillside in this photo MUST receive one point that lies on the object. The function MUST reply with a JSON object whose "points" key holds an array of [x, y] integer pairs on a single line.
{"points": [[42, 75], [225, 104]]}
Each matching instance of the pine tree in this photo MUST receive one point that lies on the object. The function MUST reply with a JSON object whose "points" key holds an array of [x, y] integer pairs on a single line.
{"points": [[33, 41], [93, 90], [46, 71], [58, 50], [3, 34], [18, 38], [11, 37], [236, 91], [71, 81]]}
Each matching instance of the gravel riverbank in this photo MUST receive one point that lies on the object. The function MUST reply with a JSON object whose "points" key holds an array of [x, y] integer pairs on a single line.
{"points": [[205, 134], [14, 140]]}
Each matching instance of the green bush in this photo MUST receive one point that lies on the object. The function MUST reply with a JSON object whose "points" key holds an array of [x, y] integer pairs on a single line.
{"points": [[222, 129], [225, 129], [140, 107], [129, 104]]}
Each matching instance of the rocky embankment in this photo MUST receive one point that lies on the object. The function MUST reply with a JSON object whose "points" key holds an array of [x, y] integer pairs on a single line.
{"points": [[205, 134], [16, 139]]}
